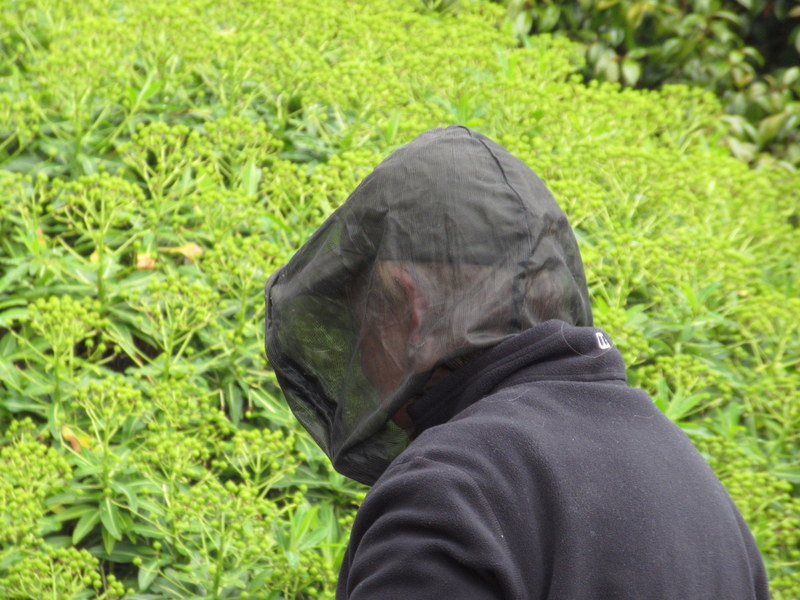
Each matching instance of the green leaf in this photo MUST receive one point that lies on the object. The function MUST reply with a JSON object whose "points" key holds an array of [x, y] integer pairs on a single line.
{"points": [[233, 400], [109, 515], [638, 11], [682, 405], [251, 177], [128, 492], [147, 531], [54, 419], [150, 89], [48, 525], [742, 150], [631, 71], [522, 24], [126, 552], [272, 407], [13, 275], [606, 4], [611, 70], [75, 512], [595, 52], [11, 376], [148, 572], [7, 317], [153, 507], [790, 75], [9, 557], [108, 540], [121, 336], [8, 344], [769, 128], [548, 18], [85, 524], [787, 472]]}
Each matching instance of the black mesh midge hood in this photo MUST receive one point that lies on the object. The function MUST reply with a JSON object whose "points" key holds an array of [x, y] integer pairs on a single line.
{"points": [[449, 246]]}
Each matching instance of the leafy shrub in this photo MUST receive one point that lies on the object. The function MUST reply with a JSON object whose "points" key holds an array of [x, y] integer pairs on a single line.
{"points": [[745, 51], [160, 160]]}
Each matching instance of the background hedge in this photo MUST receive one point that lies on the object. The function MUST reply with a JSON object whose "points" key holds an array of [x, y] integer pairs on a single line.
{"points": [[745, 51], [158, 160]]}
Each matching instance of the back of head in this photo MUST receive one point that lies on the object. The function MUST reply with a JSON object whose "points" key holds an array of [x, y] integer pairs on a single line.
{"points": [[449, 246]]}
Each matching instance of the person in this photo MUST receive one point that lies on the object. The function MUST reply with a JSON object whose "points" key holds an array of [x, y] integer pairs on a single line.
{"points": [[435, 338]]}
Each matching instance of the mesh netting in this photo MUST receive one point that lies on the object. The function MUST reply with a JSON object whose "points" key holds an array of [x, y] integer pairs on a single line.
{"points": [[449, 246]]}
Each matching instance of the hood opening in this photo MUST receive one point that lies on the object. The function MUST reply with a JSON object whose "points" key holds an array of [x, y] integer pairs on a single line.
{"points": [[449, 246]]}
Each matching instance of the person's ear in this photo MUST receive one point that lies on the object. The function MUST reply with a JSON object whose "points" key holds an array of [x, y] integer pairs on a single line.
{"points": [[415, 306], [414, 300]]}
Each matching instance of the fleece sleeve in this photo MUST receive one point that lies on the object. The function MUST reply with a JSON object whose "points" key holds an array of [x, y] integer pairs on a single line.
{"points": [[425, 531]]}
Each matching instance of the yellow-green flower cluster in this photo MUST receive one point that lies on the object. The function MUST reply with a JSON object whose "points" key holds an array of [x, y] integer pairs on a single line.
{"points": [[106, 404], [64, 321], [31, 473], [260, 455], [48, 572]]}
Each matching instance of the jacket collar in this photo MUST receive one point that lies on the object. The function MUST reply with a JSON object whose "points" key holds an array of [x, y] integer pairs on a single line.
{"points": [[552, 350]]}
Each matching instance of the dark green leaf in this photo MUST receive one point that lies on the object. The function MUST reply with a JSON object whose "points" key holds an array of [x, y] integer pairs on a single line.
{"points": [[85, 524]]}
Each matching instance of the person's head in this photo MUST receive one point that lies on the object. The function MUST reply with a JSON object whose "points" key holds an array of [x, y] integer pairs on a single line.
{"points": [[448, 247]]}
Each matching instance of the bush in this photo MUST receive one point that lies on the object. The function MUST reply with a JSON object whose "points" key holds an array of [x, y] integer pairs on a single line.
{"points": [[745, 51], [159, 160]]}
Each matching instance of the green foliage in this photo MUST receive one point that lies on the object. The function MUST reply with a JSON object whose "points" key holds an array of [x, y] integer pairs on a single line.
{"points": [[766, 499], [745, 51], [158, 161]]}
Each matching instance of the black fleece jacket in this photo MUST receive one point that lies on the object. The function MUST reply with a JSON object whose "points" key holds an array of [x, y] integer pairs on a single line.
{"points": [[539, 474]]}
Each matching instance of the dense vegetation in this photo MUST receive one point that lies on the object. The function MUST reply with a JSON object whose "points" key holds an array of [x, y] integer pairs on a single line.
{"points": [[158, 160], [745, 51]]}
